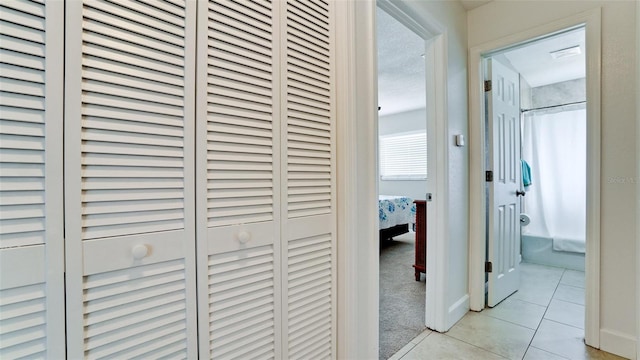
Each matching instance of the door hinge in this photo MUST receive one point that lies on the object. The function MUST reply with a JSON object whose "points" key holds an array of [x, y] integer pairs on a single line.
{"points": [[488, 267], [487, 85], [488, 176]]}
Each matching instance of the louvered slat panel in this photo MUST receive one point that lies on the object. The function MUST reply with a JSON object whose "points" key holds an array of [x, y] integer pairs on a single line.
{"points": [[31, 239], [309, 102], [240, 112], [242, 304], [309, 297], [309, 109], [136, 312], [22, 124], [23, 322], [132, 118], [129, 219]]}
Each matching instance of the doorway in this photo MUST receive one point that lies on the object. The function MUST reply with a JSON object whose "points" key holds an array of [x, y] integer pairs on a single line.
{"points": [[590, 24], [403, 179], [543, 238]]}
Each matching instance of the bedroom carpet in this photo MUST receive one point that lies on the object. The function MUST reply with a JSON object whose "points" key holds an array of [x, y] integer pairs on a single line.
{"points": [[401, 296]]}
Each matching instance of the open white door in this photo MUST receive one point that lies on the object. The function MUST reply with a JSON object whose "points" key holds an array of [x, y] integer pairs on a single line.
{"points": [[503, 114]]}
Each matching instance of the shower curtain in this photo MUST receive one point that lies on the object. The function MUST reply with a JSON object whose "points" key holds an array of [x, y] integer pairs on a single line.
{"points": [[554, 145]]}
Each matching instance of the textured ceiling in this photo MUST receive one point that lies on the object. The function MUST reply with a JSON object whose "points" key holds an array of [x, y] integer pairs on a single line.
{"points": [[401, 75], [401, 68]]}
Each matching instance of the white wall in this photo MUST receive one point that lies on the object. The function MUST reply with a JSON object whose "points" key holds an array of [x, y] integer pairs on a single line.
{"points": [[451, 14], [407, 121], [618, 304]]}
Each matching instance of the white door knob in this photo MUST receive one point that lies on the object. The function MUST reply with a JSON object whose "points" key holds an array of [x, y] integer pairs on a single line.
{"points": [[244, 236], [139, 251]]}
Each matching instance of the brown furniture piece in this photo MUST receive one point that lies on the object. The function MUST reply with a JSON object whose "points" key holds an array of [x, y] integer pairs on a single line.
{"points": [[389, 233], [420, 264]]}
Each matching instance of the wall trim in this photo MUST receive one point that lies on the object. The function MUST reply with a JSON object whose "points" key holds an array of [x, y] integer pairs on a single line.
{"points": [[357, 260], [358, 288], [592, 21], [618, 343], [435, 36], [457, 310]]}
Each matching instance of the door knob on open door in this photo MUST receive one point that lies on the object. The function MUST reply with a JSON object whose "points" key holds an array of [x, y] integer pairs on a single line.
{"points": [[520, 193]]}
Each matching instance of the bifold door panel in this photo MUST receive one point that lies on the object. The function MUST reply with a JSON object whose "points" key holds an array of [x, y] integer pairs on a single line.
{"points": [[31, 231], [168, 179]]}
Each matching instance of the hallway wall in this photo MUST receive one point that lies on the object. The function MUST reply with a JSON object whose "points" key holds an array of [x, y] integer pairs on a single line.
{"points": [[618, 304], [452, 16]]}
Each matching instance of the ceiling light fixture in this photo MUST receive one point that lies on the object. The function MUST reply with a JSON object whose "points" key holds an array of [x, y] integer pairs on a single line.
{"points": [[565, 53]]}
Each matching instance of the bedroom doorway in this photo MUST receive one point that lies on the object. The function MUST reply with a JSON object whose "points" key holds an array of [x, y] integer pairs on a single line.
{"points": [[403, 182]]}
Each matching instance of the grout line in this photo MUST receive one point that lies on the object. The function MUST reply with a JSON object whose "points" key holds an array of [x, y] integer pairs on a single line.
{"points": [[568, 302], [476, 346], [414, 344], [528, 302], [511, 322], [543, 315], [547, 351], [561, 323]]}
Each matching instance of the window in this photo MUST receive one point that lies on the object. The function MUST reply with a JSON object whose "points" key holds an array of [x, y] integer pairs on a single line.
{"points": [[403, 156]]}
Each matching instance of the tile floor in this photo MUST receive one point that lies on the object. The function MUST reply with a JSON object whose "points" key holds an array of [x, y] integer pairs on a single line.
{"points": [[543, 320]]}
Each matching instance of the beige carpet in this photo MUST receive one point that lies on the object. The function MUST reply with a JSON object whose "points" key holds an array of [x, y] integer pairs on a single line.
{"points": [[401, 296]]}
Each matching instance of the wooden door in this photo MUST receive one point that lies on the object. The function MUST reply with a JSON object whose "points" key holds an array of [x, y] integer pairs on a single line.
{"points": [[129, 175], [238, 180], [266, 179], [308, 179], [31, 231], [504, 161]]}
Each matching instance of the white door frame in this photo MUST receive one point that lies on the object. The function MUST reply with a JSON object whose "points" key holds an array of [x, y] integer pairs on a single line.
{"points": [[436, 82], [591, 21], [357, 137]]}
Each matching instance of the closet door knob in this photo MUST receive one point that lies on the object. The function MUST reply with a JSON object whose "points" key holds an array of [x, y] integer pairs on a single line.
{"points": [[139, 251], [520, 193], [244, 236]]}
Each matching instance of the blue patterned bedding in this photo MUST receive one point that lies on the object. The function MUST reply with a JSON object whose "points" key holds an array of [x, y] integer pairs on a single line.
{"points": [[396, 210]]}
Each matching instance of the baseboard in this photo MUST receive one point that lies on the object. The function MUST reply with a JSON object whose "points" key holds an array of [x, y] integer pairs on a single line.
{"points": [[457, 311], [619, 344]]}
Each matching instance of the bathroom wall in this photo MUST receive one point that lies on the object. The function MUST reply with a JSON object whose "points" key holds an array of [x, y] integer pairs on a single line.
{"points": [[526, 101], [560, 93]]}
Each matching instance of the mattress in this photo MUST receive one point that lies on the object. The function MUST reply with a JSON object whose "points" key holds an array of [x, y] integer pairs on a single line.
{"points": [[396, 210]]}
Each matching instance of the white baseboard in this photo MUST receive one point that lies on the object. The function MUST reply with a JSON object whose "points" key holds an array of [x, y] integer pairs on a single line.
{"points": [[457, 311], [618, 343]]}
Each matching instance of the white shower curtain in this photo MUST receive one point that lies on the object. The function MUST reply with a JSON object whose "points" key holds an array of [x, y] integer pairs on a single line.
{"points": [[554, 145]]}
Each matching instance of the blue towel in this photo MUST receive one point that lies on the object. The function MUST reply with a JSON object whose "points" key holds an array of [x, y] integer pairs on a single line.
{"points": [[526, 174]]}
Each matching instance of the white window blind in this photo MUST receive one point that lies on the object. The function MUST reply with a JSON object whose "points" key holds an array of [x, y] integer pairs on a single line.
{"points": [[403, 156]]}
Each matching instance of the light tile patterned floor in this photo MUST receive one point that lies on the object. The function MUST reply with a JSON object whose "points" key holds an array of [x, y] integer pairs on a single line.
{"points": [[543, 320]]}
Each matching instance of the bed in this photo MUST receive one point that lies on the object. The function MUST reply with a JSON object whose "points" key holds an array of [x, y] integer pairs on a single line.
{"points": [[397, 214]]}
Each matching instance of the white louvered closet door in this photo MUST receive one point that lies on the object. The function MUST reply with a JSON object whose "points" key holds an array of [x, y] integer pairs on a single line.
{"points": [[129, 175], [308, 179], [31, 232], [238, 187]]}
